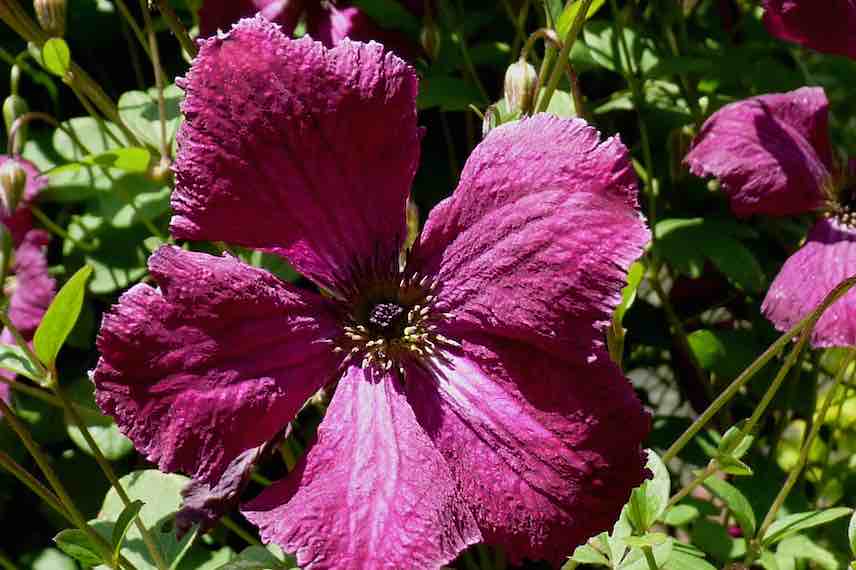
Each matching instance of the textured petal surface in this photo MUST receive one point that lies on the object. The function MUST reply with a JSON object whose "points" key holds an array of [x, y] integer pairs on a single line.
{"points": [[545, 451], [217, 15], [771, 153], [283, 149], [214, 362], [828, 26], [373, 491], [20, 221], [827, 258], [536, 241], [34, 287]]}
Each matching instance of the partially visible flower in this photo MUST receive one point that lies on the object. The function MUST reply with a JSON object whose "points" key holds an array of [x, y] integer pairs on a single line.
{"points": [[771, 153], [19, 221], [474, 398], [521, 83], [773, 156], [827, 26], [30, 290], [326, 21]]}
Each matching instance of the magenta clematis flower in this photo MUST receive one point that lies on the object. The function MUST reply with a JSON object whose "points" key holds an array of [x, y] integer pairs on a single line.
{"points": [[828, 26], [327, 22], [474, 399], [30, 291], [773, 156]]}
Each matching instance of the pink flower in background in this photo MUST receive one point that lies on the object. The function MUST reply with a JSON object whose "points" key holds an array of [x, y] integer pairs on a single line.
{"points": [[326, 21], [772, 156], [474, 399], [827, 26], [29, 287]]}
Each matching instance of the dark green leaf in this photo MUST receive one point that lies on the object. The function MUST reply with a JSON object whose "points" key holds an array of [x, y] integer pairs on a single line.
{"points": [[60, 317], [447, 92], [391, 15], [797, 522], [132, 159], [736, 503], [569, 14], [79, 546], [14, 359], [255, 558], [123, 523]]}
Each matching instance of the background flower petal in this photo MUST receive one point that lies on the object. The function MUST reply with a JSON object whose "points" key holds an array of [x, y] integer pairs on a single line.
{"points": [[536, 241], [827, 258], [296, 149], [34, 287], [823, 26], [373, 491], [214, 362], [217, 15], [771, 153], [19, 222], [545, 451]]}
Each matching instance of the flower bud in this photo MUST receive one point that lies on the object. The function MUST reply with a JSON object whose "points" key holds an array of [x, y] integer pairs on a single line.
{"points": [[430, 39], [51, 16], [13, 181], [521, 81], [13, 107]]}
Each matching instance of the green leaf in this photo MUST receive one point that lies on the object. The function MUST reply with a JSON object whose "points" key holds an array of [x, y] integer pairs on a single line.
{"points": [[586, 554], [446, 92], [139, 110], [60, 317], [648, 539], [851, 534], [112, 442], [52, 559], [686, 557], [161, 494], [391, 15], [649, 500], [14, 359], [797, 522], [662, 551], [123, 523], [79, 546], [569, 14], [255, 558], [131, 159], [736, 502], [688, 243], [768, 561], [734, 442], [801, 547], [681, 515], [56, 56]]}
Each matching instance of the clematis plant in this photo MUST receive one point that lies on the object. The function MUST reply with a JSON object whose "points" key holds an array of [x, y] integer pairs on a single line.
{"points": [[474, 399], [772, 156], [828, 27]]}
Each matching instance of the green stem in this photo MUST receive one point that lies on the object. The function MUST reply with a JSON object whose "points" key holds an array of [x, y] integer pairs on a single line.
{"points": [[151, 546], [243, 534], [649, 557], [177, 28], [24, 345], [568, 42], [6, 563], [45, 396], [156, 64], [795, 472], [44, 464], [465, 54], [129, 18], [59, 231], [34, 485], [753, 368], [701, 478]]}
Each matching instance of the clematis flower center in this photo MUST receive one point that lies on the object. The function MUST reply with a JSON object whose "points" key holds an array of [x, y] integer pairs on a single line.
{"points": [[843, 210], [392, 320]]}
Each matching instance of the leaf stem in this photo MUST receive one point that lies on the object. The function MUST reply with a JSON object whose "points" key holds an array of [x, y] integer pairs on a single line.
{"points": [[711, 468], [151, 546], [177, 28], [564, 53], [34, 484], [649, 558], [774, 349]]}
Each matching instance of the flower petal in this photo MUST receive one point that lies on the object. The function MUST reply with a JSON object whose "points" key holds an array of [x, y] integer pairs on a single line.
{"points": [[282, 149], [826, 27], [536, 241], [771, 153], [545, 451], [217, 15], [373, 491], [330, 25], [214, 362], [20, 221], [34, 287], [827, 258]]}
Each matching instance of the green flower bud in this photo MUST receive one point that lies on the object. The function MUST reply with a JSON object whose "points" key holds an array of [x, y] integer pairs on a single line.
{"points": [[13, 107], [13, 181], [430, 39], [521, 81], [51, 16]]}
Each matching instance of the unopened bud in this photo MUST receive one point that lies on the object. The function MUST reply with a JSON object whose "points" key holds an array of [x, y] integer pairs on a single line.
{"points": [[521, 82], [13, 107], [13, 181], [51, 16], [430, 40]]}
